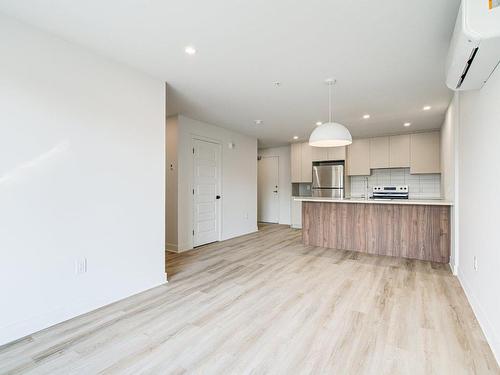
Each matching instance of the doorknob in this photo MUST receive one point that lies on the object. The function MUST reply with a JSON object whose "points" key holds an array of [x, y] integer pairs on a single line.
{"points": [[217, 197]]}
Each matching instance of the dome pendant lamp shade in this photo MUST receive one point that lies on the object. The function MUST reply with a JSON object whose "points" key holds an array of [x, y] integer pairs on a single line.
{"points": [[331, 134]]}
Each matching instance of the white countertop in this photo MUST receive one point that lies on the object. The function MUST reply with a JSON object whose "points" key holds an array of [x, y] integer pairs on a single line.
{"points": [[426, 202]]}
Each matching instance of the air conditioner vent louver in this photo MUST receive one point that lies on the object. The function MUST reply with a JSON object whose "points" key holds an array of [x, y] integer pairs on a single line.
{"points": [[474, 47], [467, 67]]}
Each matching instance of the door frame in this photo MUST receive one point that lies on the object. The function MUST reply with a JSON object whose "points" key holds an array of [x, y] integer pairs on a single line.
{"points": [[195, 138], [279, 188]]}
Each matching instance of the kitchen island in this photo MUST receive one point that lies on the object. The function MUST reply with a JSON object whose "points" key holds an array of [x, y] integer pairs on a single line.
{"points": [[415, 229]]}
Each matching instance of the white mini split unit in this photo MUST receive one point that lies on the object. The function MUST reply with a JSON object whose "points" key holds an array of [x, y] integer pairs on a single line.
{"points": [[475, 47]]}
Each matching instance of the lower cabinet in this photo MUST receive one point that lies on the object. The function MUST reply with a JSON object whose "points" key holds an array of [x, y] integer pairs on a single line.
{"points": [[296, 214]]}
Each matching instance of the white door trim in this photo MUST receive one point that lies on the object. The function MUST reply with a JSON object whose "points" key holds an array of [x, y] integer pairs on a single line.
{"points": [[195, 138]]}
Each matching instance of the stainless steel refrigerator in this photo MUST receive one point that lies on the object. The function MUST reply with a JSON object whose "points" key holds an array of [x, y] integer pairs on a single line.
{"points": [[328, 180]]}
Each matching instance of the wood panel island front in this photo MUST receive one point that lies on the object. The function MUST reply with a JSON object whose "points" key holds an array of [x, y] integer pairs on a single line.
{"points": [[402, 228]]}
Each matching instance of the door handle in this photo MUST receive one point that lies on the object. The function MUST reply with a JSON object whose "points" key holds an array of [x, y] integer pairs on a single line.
{"points": [[217, 197], [275, 191]]}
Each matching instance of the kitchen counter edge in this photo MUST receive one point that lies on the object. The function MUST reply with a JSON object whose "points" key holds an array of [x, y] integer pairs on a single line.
{"points": [[425, 202]]}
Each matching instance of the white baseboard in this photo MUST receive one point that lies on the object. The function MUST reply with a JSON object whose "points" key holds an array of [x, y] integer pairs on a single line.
{"points": [[224, 238], [172, 247], [482, 318], [178, 248], [19, 330], [235, 235]]}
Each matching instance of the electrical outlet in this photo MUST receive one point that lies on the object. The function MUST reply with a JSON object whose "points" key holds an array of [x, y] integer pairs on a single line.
{"points": [[81, 266], [475, 263]]}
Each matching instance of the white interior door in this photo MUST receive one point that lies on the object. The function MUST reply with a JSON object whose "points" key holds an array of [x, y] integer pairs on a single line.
{"points": [[206, 192], [268, 190]]}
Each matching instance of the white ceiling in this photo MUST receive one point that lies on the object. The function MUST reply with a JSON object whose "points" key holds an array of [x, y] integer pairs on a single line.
{"points": [[388, 57]]}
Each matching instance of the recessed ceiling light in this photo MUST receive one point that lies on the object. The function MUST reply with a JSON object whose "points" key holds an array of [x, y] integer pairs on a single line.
{"points": [[427, 107], [190, 50], [258, 122], [319, 123], [366, 116], [406, 124], [277, 83], [295, 137]]}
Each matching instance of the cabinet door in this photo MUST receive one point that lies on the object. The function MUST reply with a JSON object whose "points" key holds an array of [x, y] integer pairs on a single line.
{"points": [[319, 153], [296, 162], [399, 151], [425, 153], [306, 165], [358, 155], [379, 152], [296, 214], [336, 153]]}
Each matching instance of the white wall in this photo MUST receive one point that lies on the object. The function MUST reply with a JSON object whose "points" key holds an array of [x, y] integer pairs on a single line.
{"points": [[449, 173], [285, 179], [479, 204], [239, 181], [448, 148], [172, 228], [81, 175]]}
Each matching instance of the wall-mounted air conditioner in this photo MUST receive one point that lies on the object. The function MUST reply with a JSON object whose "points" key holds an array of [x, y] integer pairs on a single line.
{"points": [[475, 47]]}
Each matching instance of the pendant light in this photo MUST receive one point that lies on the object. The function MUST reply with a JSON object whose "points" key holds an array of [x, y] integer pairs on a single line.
{"points": [[331, 134]]}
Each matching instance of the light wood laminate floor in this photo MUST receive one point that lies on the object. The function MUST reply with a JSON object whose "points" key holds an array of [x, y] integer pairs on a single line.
{"points": [[266, 304]]}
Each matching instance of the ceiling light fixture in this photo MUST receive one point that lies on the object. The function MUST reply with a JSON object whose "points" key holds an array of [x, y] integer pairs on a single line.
{"points": [[258, 122], [406, 124], [190, 50], [331, 134], [427, 107], [366, 117], [295, 137], [319, 123]]}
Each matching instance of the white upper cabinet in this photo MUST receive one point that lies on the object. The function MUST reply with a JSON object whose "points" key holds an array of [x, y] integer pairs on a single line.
{"points": [[328, 153], [420, 152], [425, 153], [296, 162], [399, 151], [303, 155], [319, 153], [379, 152], [358, 158], [336, 153], [306, 169]]}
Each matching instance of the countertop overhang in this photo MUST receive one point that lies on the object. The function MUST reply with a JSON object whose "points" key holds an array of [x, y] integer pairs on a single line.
{"points": [[425, 202]]}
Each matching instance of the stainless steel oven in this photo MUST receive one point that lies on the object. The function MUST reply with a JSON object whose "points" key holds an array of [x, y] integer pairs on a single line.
{"points": [[390, 192]]}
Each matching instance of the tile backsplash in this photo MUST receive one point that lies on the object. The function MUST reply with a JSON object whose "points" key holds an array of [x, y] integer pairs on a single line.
{"points": [[422, 186]]}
